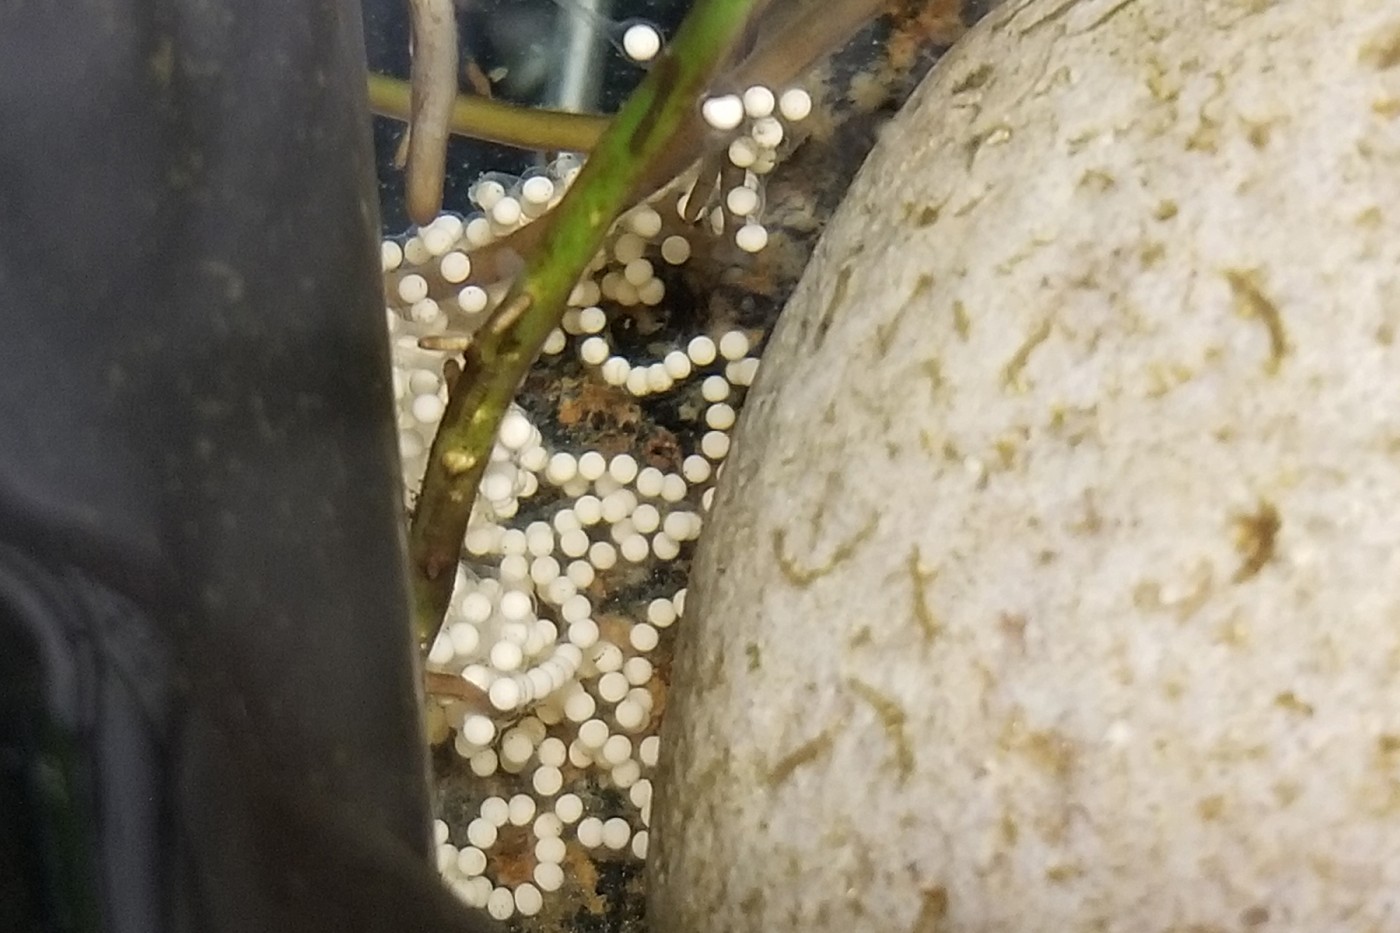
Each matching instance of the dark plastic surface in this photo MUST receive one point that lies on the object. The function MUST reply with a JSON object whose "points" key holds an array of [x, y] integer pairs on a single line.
{"points": [[203, 612]]}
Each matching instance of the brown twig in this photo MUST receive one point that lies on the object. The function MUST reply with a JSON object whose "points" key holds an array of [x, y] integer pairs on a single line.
{"points": [[444, 684], [434, 89]]}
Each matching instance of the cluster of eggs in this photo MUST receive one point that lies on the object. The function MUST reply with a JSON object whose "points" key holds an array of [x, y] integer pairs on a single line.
{"points": [[567, 665]]}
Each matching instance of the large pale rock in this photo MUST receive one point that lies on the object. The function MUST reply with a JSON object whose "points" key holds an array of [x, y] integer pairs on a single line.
{"points": [[1055, 582]]}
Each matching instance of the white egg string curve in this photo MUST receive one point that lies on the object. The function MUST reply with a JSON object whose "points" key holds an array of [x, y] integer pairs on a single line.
{"points": [[558, 532]]}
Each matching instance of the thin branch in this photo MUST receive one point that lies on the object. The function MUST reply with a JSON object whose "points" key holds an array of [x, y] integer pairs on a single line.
{"points": [[434, 87], [794, 34], [496, 121]]}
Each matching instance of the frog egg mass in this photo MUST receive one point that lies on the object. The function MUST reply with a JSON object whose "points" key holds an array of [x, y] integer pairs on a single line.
{"points": [[574, 561]]}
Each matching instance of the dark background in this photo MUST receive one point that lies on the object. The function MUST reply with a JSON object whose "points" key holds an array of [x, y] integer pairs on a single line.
{"points": [[517, 41]]}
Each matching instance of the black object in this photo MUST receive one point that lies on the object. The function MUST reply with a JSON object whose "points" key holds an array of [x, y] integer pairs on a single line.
{"points": [[208, 713]]}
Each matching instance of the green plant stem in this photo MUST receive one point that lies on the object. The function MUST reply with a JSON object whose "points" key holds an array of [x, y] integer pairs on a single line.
{"points": [[508, 343], [496, 121]]}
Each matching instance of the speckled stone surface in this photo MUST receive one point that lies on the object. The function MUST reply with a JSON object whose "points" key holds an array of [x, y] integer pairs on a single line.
{"points": [[1053, 584]]}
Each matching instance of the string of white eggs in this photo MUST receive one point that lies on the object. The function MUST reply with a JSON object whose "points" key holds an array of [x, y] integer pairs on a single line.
{"points": [[596, 689], [566, 702]]}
